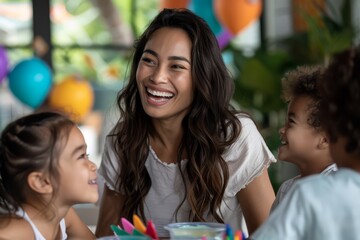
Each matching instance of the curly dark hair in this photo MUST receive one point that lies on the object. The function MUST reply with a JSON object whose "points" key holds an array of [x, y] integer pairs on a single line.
{"points": [[206, 126], [304, 81], [30, 143], [340, 112]]}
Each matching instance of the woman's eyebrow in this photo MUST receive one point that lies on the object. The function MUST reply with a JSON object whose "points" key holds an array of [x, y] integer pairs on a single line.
{"points": [[180, 58]]}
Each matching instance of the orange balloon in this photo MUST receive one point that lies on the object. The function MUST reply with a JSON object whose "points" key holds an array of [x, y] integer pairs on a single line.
{"points": [[74, 96], [235, 15], [173, 4]]}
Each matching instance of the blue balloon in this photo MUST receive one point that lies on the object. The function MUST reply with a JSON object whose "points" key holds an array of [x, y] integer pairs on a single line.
{"points": [[204, 9], [30, 81]]}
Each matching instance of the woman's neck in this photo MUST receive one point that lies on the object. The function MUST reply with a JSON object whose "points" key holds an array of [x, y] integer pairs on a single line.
{"points": [[166, 140]]}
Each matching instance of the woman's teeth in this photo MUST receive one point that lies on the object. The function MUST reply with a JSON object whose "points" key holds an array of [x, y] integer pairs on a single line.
{"points": [[159, 94]]}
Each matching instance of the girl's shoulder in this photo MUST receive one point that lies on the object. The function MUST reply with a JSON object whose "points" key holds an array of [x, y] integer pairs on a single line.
{"points": [[15, 228]]}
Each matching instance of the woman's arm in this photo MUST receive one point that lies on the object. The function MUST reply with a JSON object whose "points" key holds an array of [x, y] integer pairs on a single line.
{"points": [[75, 227], [256, 200], [109, 213]]}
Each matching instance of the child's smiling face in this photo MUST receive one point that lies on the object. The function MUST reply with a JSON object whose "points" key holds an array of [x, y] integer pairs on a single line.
{"points": [[78, 180], [299, 139]]}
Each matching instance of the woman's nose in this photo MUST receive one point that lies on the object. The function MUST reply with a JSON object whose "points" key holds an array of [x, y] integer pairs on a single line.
{"points": [[159, 75]]}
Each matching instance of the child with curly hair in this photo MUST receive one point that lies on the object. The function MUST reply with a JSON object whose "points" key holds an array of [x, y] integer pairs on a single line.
{"points": [[303, 139], [328, 207]]}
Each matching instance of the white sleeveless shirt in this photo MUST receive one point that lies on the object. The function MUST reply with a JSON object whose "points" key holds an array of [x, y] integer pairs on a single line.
{"points": [[37, 233]]}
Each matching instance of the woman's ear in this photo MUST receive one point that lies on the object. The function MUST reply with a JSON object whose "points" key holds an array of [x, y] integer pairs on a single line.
{"points": [[39, 182]]}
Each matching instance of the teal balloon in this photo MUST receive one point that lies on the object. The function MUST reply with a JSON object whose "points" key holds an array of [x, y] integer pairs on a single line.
{"points": [[205, 9], [30, 81]]}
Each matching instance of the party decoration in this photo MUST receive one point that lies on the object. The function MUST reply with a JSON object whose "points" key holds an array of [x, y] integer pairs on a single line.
{"points": [[204, 9], [235, 15], [30, 81], [73, 95], [4, 64], [224, 38], [173, 3]]}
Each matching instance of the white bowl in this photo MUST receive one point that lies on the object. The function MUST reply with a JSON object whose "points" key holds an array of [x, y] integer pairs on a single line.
{"points": [[196, 230]]}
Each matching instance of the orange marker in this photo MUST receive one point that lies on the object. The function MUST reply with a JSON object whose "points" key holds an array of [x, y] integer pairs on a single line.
{"points": [[139, 225], [238, 235]]}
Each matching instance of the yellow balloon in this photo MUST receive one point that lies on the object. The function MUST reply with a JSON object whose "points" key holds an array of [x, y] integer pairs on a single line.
{"points": [[74, 96]]}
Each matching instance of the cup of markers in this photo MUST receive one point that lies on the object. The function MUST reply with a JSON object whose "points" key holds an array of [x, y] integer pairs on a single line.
{"points": [[134, 231]]}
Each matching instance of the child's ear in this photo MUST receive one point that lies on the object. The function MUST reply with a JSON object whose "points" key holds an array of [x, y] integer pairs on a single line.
{"points": [[39, 182], [324, 141]]}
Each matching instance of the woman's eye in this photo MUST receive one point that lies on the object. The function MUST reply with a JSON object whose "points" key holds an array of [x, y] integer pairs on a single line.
{"points": [[176, 66], [148, 60]]}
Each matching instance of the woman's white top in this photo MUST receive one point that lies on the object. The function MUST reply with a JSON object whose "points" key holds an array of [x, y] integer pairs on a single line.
{"points": [[246, 158], [37, 233]]}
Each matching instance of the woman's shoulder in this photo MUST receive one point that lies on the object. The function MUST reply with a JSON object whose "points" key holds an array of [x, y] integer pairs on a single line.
{"points": [[15, 228], [245, 118]]}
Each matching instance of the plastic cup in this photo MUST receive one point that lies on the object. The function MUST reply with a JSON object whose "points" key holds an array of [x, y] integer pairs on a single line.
{"points": [[196, 230]]}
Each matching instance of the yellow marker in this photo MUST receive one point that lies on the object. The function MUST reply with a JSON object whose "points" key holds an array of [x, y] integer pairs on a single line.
{"points": [[138, 224]]}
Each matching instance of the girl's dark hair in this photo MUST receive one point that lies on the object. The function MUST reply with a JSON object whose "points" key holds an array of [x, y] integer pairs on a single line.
{"points": [[304, 81], [31, 143], [340, 112], [210, 126]]}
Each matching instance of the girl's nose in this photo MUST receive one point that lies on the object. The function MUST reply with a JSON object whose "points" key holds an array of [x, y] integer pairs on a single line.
{"points": [[92, 166]]}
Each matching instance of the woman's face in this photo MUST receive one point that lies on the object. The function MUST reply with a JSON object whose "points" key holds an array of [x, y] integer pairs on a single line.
{"points": [[164, 74]]}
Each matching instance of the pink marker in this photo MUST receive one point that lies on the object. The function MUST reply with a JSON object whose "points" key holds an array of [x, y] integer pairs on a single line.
{"points": [[127, 226]]}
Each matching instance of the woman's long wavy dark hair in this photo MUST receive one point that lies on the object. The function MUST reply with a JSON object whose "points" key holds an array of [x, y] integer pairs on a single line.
{"points": [[210, 126], [29, 144]]}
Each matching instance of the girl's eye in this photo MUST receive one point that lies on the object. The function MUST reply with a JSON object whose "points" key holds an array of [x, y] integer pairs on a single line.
{"points": [[84, 156]]}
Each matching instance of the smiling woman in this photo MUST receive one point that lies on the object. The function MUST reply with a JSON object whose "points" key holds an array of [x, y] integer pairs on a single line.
{"points": [[180, 152]]}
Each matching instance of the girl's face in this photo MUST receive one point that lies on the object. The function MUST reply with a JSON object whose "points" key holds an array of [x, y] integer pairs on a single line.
{"points": [[78, 180], [299, 140], [164, 74]]}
